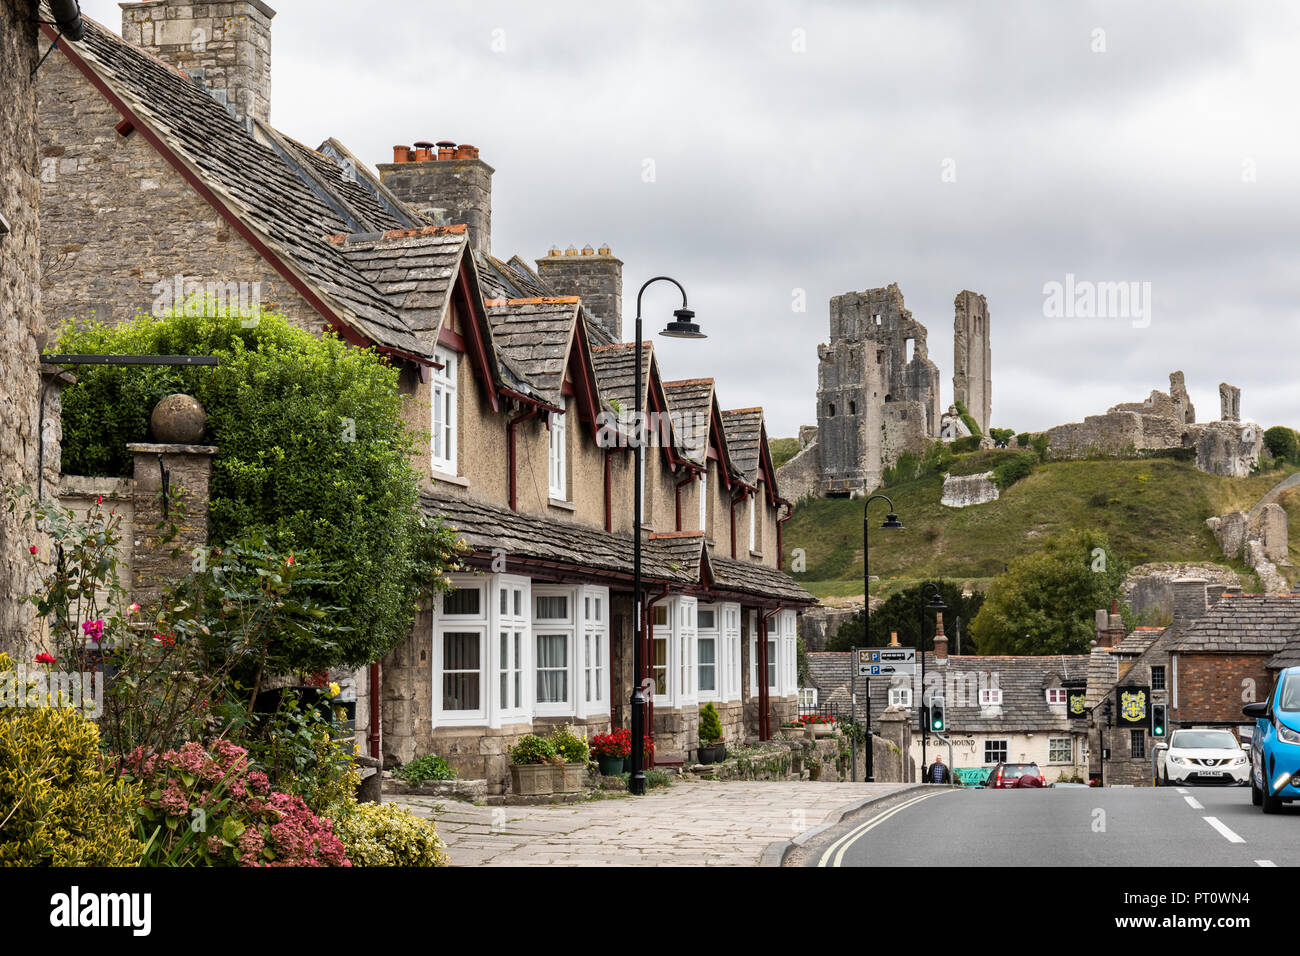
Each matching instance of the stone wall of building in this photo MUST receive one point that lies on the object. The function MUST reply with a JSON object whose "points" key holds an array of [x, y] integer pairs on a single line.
{"points": [[20, 381], [451, 187], [962, 491], [972, 374], [595, 276], [1211, 686]]}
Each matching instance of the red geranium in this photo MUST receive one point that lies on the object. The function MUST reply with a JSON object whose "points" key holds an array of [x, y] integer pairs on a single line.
{"points": [[618, 743], [44, 658]]}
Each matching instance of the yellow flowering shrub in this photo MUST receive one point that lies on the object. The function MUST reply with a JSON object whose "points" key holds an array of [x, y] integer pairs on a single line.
{"points": [[57, 806], [384, 834]]}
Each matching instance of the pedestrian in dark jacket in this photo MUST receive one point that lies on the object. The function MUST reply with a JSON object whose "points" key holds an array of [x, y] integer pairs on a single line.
{"points": [[937, 772]]}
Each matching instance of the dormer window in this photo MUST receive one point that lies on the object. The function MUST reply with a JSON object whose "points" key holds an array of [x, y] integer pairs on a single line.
{"points": [[1056, 696], [991, 697], [900, 697], [444, 413]]}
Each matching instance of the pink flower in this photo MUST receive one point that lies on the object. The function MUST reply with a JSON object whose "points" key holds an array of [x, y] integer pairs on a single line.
{"points": [[44, 658], [134, 607], [99, 500], [33, 549], [166, 640], [93, 630], [289, 560]]}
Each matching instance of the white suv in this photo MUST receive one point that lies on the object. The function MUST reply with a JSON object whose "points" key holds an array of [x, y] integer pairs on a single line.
{"points": [[1202, 756]]}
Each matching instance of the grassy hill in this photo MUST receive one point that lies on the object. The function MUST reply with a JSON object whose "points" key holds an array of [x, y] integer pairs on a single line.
{"points": [[1150, 510]]}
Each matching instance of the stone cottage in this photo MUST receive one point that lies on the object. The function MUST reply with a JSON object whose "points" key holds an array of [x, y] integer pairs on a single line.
{"points": [[522, 389]]}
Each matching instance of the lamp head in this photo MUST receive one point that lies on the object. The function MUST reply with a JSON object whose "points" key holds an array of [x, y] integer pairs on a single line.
{"points": [[892, 522], [936, 603], [683, 326]]}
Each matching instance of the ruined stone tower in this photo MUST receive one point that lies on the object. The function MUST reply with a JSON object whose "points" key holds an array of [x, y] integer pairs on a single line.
{"points": [[877, 390], [972, 362]]}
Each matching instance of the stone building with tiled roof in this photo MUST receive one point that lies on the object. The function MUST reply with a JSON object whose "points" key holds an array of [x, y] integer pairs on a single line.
{"points": [[164, 172], [997, 708]]}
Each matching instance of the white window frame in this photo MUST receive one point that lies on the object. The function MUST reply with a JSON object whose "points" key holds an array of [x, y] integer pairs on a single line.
{"points": [[1056, 743], [687, 636], [444, 413], [512, 615], [990, 697], [729, 621], [558, 457], [704, 498], [556, 627], [713, 634], [593, 694], [1061, 692], [789, 630], [1005, 748], [479, 624], [661, 632], [753, 521], [753, 652], [900, 697], [807, 698]]}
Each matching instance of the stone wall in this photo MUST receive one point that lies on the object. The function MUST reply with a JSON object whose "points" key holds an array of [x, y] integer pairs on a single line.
{"points": [[1210, 686], [449, 191], [20, 323], [961, 491], [164, 544], [818, 625]]}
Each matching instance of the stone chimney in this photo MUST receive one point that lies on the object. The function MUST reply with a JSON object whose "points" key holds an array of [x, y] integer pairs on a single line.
{"points": [[1110, 626], [1191, 599], [1214, 592], [447, 183], [940, 640], [595, 275], [225, 45]]}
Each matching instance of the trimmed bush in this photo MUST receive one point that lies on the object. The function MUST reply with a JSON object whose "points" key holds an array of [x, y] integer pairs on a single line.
{"points": [[569, 747], [710, 724], [313, 449], [57, 805], [384, 834], [532, 749]]}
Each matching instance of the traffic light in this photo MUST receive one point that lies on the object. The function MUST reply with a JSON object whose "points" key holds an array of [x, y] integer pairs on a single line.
{"points": [[937, 723], [1157, 720]]}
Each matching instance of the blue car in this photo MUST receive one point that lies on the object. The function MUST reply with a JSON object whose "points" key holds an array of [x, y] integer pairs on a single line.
{"points": [[1275, 745]]}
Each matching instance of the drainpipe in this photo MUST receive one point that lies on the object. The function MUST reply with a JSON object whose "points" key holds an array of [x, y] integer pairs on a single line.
{"points": [[648, 657], [67, 14], [374, 711], [609, 501], [734, 499], [780, 552], [511, 455]]}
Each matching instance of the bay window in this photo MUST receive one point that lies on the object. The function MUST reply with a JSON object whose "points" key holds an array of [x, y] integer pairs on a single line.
{"points": [[553, 650], [730, 670], [595, 650], [709, 669]]}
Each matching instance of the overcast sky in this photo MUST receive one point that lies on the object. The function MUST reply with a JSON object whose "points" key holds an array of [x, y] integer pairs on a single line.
{"points": [[828, 147]]}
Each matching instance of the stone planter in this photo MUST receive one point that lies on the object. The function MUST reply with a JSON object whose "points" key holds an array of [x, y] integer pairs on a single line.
{"points": [[569, 777], [533, 779], [822, 730]]}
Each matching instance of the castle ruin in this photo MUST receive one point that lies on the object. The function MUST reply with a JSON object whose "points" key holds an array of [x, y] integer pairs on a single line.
{"points": [[878, 391]]}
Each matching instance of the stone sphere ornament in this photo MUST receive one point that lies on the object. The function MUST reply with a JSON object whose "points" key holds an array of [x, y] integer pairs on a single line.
{"points": [[178, 420]]}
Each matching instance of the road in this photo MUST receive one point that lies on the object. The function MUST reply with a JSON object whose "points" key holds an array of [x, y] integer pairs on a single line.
{"points": [[1177, 826]]}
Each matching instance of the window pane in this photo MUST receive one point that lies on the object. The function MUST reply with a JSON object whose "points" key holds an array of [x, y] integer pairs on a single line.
{"points": [[553, 608], [461, 601], [552, 668], [505, 598], [660, 615], [519, 603], [661, 665], [460, 665], [707, 619]]}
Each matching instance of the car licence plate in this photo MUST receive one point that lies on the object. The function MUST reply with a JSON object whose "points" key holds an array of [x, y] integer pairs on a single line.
{"points": [[1211, 773]]}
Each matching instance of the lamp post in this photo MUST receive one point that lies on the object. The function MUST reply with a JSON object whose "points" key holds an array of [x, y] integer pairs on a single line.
{"points": [[891, 522], [1101, 763], [682, 327], [937, 606]]}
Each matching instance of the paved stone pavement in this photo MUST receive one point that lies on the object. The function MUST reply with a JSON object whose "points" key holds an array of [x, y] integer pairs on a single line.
{"points": [[691, 823]]}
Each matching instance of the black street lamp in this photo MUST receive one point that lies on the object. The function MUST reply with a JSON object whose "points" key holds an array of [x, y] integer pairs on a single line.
{"points": [[1101, 733], [682, 327], [892, 523], [936, 606]]}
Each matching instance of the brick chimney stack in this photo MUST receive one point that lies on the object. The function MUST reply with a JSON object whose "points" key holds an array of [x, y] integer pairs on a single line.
{"points": [[1191, 599], [893, 639], [1110, 626], [595, 275], [447, 183], [226, 45], [940, 640]]}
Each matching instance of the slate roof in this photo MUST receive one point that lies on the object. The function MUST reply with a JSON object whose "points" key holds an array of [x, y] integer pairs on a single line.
{"points": [[1245, 624], [414, 269], [269, 194], [616, 373], [535, 336], [692, 399], [1023, 680], [516, 279], [337, 185], [674, 559], [744, 430]]}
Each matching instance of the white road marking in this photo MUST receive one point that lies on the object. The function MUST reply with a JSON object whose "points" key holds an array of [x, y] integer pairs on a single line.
{"points": [[1223, 830], [1266, 863], [1182, 790], [843, 843], [1191, 802]]}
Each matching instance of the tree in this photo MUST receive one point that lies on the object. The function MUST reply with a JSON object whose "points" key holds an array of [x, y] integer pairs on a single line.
{"points": [[901, 613], [1045, 603], [1283, 443], [313, 454]]}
